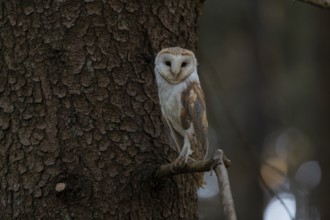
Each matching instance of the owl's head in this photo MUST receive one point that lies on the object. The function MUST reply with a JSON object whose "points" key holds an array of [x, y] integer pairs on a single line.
{"points": [[175, 64]]}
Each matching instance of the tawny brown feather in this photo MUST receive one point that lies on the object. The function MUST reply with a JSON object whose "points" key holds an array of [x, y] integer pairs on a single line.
{"points": [[193, 113]]}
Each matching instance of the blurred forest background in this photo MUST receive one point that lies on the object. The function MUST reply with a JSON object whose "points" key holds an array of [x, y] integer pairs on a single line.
{"points": [[264, 67]]}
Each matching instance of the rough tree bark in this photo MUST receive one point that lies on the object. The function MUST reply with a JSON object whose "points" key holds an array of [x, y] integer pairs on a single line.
{"points": [[78, 106]]}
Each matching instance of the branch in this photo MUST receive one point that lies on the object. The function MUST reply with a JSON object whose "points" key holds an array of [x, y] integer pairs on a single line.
{"points": [[319, 3], [224, 186], [219, 163]]}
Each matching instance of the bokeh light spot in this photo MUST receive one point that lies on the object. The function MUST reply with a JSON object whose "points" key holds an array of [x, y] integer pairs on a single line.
{"points": [[273, 171], [211, 188], [309, 174], [284, 209]]}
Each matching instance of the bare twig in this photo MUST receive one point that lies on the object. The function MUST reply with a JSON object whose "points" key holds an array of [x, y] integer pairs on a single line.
{"points": [[219, 163], [319, 3], [224, 187]]}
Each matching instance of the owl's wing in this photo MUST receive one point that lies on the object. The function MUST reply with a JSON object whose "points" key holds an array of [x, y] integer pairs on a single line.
{"points": [[174, 135], [193, 117]]}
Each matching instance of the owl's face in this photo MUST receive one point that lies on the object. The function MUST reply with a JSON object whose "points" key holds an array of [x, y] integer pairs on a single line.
{"points": [[175, 64]]}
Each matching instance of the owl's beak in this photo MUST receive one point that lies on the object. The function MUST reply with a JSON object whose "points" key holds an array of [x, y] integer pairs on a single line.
{"points": [[176, 75], [175, 71]]}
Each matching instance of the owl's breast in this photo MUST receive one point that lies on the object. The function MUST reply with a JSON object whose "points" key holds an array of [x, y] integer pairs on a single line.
{"points": [[171, 105]]}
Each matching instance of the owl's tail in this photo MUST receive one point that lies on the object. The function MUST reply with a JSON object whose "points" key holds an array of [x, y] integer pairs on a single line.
{"points": [[199, 178]]}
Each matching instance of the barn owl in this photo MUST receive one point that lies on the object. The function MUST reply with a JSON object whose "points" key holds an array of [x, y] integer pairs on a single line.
{"points": [[182, 102]]}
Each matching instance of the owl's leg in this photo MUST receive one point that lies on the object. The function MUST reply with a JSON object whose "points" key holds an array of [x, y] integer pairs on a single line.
{"points": [[185, 152], [187, 148]]}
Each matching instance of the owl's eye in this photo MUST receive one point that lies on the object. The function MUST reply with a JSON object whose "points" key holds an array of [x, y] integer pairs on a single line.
{"points": [[168, 63], [183, 64]]}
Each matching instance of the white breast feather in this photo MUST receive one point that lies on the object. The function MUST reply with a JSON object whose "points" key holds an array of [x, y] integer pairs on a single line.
{"points": [[170, 98]]}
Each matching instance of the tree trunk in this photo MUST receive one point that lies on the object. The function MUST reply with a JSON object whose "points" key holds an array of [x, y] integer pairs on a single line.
{"points": [[81, 130]]}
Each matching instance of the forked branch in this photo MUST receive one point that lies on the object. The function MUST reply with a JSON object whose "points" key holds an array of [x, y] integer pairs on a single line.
{"points": [[219, 163]]}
